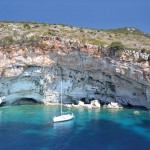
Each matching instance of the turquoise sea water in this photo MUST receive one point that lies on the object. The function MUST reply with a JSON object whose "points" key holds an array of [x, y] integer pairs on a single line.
{"points": [[30, 128]]}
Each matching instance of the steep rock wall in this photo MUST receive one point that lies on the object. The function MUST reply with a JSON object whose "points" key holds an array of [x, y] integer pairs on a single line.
{"points": [[37, 75]]}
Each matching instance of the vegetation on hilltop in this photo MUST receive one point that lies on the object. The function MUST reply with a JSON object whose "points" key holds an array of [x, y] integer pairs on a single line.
{"points": [[32, 32], [129, 30]]}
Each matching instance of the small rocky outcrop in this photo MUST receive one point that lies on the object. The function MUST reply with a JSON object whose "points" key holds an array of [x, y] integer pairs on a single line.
{"points": [[80, 103], [95, 103], [114, 105]]}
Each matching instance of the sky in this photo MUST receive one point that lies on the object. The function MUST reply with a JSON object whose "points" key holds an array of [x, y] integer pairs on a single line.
{"points": [[97, 14]]}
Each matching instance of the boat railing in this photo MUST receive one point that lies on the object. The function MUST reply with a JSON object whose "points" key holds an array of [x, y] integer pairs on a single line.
{"points": [[66, 112]]}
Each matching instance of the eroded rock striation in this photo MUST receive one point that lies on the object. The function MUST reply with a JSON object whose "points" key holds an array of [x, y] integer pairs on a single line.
{"points": [[35, 71]]}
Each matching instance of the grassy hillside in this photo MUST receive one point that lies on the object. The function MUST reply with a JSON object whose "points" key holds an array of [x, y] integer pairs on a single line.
{"points": [[32, 33]]}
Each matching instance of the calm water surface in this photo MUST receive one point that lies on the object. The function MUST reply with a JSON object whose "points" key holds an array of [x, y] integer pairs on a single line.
{"points": [[30, 128]]}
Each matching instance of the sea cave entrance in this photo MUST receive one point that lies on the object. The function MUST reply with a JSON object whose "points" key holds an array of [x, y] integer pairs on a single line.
{"points": [[25, 101]]}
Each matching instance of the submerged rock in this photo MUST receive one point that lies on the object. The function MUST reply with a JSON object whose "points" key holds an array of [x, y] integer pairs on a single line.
{"points": [[136, 112]]}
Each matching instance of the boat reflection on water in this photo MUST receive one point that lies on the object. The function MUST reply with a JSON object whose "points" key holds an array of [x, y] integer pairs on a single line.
{"points": [[63, 129]]}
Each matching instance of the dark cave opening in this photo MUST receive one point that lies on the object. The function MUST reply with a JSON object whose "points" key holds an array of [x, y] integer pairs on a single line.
{"points": [[2, 104], [25, 101]]}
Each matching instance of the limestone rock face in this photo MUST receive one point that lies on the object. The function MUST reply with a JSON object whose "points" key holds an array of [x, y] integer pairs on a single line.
{"points": [[37, 75], [95, 103]]}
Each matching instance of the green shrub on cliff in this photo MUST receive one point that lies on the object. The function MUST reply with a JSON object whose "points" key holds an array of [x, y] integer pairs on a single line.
{"points": [[119, 53], [34, 40], [7, 40], [52, 32], [95, 41], [140, 59], [148, 51], [114, 47], [143, 50], [26, 26]]}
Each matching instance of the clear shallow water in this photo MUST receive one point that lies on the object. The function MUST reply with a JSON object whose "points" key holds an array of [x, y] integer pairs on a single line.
{"points": [[30, 128]]}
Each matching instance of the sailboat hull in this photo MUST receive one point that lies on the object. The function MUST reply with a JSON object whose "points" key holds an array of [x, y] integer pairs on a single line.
{"points": [[62, 118]]}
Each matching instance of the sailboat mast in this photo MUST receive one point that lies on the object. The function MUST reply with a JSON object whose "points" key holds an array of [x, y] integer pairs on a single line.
{"points": [[61, 97]]}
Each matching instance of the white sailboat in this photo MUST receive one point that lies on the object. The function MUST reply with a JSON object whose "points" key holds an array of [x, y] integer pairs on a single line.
{"points": [[63, 116]]}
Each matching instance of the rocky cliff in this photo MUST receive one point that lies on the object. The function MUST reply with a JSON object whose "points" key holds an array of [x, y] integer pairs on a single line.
{"points": [[35, 58]]}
